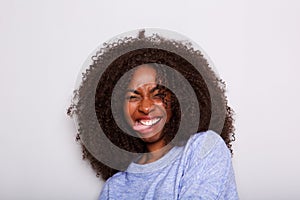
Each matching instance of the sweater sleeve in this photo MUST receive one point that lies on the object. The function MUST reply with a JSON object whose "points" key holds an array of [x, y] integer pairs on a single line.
{"points": [[104, 192], [208, 172]]}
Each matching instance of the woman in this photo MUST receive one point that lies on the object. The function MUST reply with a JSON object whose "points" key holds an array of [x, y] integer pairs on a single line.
{"points": [[144, 105]]}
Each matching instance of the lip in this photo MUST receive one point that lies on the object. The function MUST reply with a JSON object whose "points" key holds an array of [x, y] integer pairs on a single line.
{"points": [[146, 124], [149, 121]]}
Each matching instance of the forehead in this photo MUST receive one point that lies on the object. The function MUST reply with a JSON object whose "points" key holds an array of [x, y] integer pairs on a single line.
{"points": [[144, 74]]}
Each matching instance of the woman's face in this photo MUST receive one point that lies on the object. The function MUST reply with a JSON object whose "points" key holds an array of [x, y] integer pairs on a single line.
{"points": [[145, 109]]}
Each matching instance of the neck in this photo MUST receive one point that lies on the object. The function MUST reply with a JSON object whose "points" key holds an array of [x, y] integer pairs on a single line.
{"points": [[154, 154]]}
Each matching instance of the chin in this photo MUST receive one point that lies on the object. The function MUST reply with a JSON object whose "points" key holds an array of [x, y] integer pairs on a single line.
{"points": [[153, 138]]}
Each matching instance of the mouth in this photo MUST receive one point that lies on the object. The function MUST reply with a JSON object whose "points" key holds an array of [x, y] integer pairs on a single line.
{"points": [[149, 122], [146, 125]]}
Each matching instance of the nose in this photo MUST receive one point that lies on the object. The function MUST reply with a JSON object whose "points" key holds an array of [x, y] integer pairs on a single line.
{"points": [[146, 106]]}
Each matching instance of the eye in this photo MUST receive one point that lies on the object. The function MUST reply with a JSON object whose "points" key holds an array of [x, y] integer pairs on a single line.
{"points": [[159, 96], [132, 98]]}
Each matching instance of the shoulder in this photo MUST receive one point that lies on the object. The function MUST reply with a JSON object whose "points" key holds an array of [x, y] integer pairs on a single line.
{"points": [[111, 185], [204, 143], [205, 148], [208, 169], [116, 179]]}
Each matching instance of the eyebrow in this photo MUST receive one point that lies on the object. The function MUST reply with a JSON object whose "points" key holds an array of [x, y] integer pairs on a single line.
{"points": [[155, 88], [134, 91], [137, 92]]}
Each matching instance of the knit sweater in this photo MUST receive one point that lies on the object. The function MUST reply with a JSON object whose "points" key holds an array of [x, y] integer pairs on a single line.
{"points": [[202, 169]]}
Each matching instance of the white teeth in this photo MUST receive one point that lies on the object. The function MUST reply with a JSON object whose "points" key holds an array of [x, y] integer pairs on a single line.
{"points": [[149, 122]]}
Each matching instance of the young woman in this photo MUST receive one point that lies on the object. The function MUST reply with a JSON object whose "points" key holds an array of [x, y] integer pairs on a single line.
{"points": [[167, 128]]}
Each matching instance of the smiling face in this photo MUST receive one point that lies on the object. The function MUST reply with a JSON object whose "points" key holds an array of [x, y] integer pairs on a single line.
{"points": [[147, 106]]}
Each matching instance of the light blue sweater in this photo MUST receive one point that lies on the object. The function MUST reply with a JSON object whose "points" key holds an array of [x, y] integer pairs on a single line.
{"points": [[201, 169]]}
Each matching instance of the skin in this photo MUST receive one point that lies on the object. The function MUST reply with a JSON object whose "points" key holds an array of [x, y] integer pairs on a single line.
{"points": [[146, 113]]}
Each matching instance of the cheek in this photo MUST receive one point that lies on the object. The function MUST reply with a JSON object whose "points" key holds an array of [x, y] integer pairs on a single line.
{"points": [[166, 111], [128, 109], [125, 110]]}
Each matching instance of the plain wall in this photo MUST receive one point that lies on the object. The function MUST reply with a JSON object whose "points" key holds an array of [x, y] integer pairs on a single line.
{"points": [[254, 45]]}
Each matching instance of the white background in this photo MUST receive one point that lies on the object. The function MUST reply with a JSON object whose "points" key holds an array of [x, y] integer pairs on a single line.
{"points": [[254, 45]]}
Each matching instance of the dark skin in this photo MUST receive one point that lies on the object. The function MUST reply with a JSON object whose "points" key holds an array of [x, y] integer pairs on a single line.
{"points": [[146, 112]]}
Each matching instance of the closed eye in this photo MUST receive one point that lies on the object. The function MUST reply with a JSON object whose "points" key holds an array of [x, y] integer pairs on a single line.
{"points": [[132, 98], [160, 95]]}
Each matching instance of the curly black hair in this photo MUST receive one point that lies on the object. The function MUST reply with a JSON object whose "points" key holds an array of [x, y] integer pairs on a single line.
{"points": [[93, 102]]}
